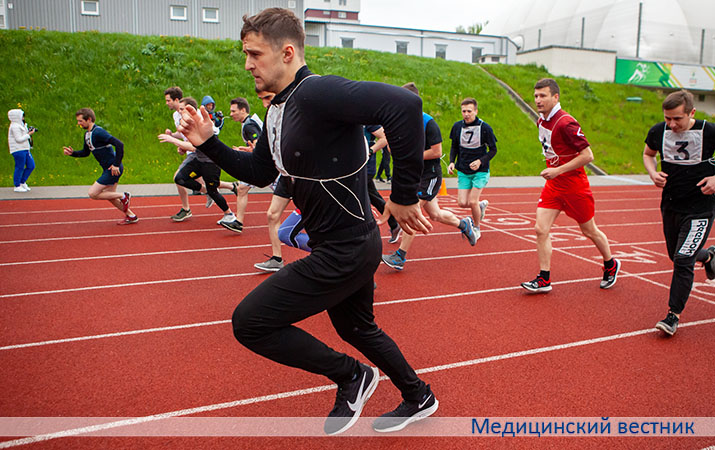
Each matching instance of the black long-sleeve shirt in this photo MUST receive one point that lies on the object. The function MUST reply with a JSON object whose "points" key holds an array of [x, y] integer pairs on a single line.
{"points": [[321, 137]]}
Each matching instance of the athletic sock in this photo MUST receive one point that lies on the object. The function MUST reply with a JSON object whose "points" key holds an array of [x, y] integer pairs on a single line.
{"points": [[277, 258], [609, 264], [545, 274], [401, 253]]}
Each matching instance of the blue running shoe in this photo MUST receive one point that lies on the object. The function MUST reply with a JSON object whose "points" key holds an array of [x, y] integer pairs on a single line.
{"points": [[394, 261], [468, 230]]}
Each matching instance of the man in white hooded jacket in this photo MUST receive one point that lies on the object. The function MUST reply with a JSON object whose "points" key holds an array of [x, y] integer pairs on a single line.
{"points": [[18, 139]]}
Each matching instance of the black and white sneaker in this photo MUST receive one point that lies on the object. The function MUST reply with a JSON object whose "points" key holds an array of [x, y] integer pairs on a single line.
{"points": [[395, 234], [668, 325], [350, 400], [610, 275], [407, 413]]}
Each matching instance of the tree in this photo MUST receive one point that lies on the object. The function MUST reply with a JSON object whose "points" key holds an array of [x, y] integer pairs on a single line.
{"points": [[473, 29]]}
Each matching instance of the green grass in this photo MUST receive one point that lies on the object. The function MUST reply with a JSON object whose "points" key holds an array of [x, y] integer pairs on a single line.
{"points": [[122, 77]]}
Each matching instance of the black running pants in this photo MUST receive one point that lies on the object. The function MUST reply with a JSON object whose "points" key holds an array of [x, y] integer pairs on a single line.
{"points": [[336, 277], [685, 234]]}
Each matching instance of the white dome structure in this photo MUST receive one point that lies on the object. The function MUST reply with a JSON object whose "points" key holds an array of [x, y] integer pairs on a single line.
{"points": [[670, 30]]}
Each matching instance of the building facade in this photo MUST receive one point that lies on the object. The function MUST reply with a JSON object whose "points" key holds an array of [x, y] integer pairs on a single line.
{"points": [[210, 19], [471, 48]]}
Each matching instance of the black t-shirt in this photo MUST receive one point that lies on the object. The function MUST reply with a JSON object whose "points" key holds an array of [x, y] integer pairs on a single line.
{"points": [[686, 159], [432, 137], [250, 130], [469, 143]]}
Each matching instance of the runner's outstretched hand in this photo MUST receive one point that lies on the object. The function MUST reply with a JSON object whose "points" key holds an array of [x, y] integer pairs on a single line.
{"points": [[196, 126], [409, 217]]}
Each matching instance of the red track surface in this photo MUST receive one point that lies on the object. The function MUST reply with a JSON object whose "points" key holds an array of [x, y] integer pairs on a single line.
{"points": [[69, 272]]}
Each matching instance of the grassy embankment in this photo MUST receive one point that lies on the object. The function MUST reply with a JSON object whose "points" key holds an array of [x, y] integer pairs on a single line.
{"points": [[122, 77]]}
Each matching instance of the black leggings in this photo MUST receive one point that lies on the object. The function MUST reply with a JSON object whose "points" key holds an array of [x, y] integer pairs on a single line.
{"points": [[685, 234], [191, 169], [336, 277]]}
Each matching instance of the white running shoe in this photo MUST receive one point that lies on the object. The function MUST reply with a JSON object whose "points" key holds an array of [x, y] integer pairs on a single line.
{"points": [[20, 188]]}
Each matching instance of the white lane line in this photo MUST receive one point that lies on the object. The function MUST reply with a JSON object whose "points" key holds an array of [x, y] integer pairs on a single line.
{"points": [[383, 303], [129, 255], [138, 283], [170, 205], [117, 334], [142, 218], [301, 392], [170, 252]]}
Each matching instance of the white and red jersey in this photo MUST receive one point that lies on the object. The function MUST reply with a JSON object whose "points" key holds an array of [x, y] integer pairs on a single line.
{"points": [[561, 141]]}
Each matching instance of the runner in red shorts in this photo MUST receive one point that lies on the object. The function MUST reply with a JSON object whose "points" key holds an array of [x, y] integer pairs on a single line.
{"points": [[567, 188]]}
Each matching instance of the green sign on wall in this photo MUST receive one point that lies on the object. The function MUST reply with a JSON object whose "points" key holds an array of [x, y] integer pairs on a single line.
{"points": [[655, 74]]}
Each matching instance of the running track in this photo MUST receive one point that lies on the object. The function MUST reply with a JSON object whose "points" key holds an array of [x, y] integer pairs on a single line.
{"points": [[98, 320]]}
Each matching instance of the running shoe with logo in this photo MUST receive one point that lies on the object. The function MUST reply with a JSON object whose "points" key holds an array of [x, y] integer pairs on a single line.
{"points": [[407, 413], [610, 275], [394, 261], [182, 215], [128, 220], [272, 265], [468, 230], [538, 284], [125, 201], [351, 399], [395, 234], [209, 201], [230, 222], [669, 325]]}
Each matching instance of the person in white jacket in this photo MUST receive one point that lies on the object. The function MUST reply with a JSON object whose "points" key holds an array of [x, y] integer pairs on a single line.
{"points": [[18, 139]]}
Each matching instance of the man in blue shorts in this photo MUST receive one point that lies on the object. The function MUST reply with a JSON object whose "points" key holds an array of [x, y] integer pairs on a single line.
{"points": [[428, 189], [473, 146], [108, 151]]}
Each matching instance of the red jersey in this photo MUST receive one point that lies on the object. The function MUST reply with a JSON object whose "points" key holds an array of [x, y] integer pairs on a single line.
{"points": [[562, 140]]}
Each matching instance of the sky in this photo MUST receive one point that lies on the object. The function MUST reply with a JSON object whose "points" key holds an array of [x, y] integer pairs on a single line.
{"points": [[421, 14]]}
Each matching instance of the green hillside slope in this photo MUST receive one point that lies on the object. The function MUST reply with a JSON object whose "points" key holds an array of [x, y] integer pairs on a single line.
{"points": [[122, 77]]}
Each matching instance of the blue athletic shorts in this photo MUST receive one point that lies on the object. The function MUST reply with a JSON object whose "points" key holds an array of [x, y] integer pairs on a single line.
{"points": [[107, 179], [474, 180]]}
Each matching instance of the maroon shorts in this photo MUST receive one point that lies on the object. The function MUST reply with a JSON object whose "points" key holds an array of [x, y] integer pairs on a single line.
{"points": [[578, 205]]}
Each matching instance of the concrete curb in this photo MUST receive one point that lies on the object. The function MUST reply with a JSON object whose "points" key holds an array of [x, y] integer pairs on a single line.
{"points": [[153, 190]]}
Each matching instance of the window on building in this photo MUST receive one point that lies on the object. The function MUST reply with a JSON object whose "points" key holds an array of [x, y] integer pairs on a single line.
{"points": [[342, 15], [701, 97], [401, 47], [210, 15], [476, 54], [178, 12], [326, 13], [347, 42], [291, 4], [2, 22], [90, 7], [440, 51], [495, 59], [342, 2]]}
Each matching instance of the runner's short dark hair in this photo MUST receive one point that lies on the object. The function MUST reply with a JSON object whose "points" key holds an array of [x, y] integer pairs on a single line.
{"points": [[277, 26], [174, 92], [242, 103], [469, 101], [86, 113], [190, 101], [549, 83], [412, 87], [677, 98]]}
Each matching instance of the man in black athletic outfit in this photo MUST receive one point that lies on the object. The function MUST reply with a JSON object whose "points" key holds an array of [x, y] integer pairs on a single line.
{"points": [[687, 176], [317, 140]]}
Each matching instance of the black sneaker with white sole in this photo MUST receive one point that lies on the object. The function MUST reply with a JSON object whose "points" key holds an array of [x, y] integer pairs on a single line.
{"points": [[407, 413], [669, 325], [350, 399], [537, 285], [710, 265], [610, 275]]}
